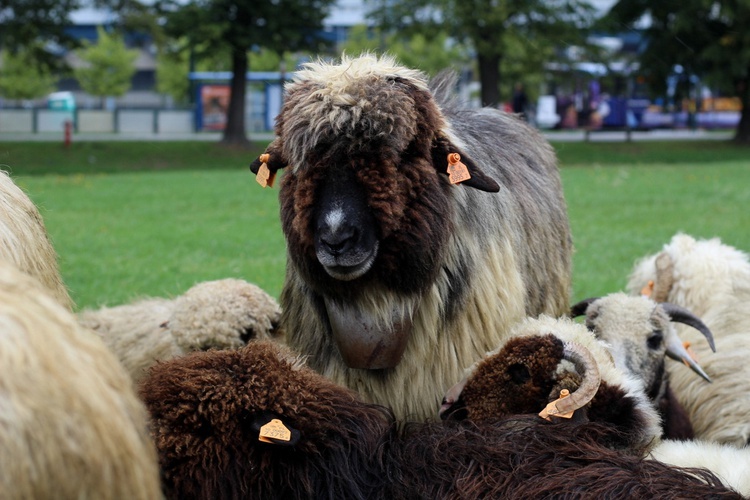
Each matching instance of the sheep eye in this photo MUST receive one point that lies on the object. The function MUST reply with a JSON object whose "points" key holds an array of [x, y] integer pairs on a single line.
{"points": [[655, 340], [519, 373]]}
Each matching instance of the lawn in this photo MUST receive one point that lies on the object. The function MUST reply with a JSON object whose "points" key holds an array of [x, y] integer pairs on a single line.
{"points": [[130, 219]]}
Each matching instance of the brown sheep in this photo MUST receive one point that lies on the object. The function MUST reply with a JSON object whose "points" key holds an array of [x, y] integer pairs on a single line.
{"points": [[71, 424], [398, 275]]}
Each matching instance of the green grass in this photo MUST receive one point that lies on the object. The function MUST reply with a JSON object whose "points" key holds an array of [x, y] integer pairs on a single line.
{"points": [[150, 219]]}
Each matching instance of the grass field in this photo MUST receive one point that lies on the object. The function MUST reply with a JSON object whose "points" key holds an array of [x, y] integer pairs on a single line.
{"points": [[130, 220]]}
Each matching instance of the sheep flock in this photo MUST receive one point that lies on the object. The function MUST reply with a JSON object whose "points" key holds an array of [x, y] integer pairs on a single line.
{"points": [[424, 344]]}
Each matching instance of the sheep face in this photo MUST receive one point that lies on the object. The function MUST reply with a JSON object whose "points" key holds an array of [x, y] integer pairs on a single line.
{"points": [[635, 329]]}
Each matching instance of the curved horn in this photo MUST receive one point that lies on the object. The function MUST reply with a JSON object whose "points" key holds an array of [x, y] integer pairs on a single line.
{"points": [[677, 351], [586, 364], [579, 309], [664, 277], [682, 315]]}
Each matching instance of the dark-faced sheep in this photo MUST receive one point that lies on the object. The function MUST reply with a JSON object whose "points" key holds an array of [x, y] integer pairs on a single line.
{"points": [[71, 425], [218, 314], [24, 240], [398, 279], [640, 333], [712, 280], [209, 411]]}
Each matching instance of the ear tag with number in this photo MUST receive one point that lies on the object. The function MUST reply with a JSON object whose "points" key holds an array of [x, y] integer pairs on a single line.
{"points": [[457, 171], [274, 431]]}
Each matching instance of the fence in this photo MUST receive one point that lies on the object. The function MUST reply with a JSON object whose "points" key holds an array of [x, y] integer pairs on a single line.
{"points": [[40, 120]]}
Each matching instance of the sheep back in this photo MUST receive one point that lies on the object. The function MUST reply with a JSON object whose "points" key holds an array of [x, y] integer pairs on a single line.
{"points": [[71, 425], [24, 240], [204, 410]]}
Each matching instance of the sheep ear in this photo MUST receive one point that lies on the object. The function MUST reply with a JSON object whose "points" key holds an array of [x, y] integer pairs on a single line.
{"points": [[442, 148], [268, 164]]}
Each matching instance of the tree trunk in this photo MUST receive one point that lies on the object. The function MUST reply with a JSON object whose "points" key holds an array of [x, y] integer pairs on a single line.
{"points": [[742, 134], [489, 79], [234, 132]]}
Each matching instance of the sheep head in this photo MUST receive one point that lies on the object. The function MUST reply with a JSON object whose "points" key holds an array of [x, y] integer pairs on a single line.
{"points": [[640, 333], [544, 357], [365, 196]]}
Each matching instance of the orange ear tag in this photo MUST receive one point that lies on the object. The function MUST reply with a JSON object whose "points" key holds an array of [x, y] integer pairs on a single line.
{"points": [[551, 408], [648, 290], [457, 171], [274, 429], [264, 176]]}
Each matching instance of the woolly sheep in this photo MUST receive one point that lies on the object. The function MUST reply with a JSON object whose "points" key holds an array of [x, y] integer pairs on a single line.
{"points": [[397, 279], [220, 314], [24, 240], [534, 366], [712, 280], [209, 410], [639, 333], [71, 425]]}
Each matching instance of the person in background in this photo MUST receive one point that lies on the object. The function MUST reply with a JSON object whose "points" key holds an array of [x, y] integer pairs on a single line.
{"points": [[520, 101]]}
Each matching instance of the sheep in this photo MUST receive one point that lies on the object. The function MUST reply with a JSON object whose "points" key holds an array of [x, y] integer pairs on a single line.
{"points": [[534, 365], [221, 314], [71, 424], [639, 333], [712, 280], [24, 240], [397, 279], [209, 411]]}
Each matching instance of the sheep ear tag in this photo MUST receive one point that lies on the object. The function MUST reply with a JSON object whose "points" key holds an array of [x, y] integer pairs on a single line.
{"points": [[457, 171], [275, 432], [551, 409], [265, 177]]}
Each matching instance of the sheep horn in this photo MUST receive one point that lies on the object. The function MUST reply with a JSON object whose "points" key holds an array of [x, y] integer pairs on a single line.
{"points": [[586, 364], [682, 315], [675, 347], [579, 309], [664, 277]]}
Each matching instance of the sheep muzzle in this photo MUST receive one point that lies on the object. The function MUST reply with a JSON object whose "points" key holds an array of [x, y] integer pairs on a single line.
{"points": [[364, 342]]}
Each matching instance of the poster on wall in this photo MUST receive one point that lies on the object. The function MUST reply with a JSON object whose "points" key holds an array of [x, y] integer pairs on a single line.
{"points": [[214, 105]]}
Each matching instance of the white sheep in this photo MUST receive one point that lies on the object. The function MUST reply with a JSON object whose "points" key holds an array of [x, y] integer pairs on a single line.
{"points": [[71, 424], [24, 240], [219, 314], [639, 333], [728, 463], [713, 281]]}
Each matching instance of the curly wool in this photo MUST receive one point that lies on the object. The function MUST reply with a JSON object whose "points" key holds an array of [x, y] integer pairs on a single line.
{"points": [[220, 314], [71, 425]]}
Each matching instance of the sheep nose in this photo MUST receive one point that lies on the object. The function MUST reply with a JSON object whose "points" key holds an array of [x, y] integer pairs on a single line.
{"points": [[338, 242]]}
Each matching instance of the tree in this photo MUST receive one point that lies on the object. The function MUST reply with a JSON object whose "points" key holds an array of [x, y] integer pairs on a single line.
{"points": [[429, 54], [706, 38], [36, 28], [237, 26], [23, 77], [491, 25], [108, 65]]}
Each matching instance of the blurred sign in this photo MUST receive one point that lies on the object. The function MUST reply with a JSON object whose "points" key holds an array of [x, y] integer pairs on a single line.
{"points": [[214, 105]]}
